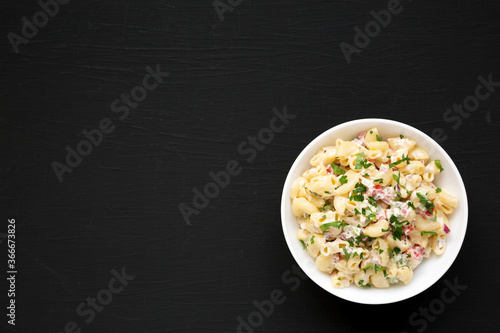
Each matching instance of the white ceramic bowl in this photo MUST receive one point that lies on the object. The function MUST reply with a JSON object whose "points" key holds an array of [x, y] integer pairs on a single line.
{"points": [[431, 269]]}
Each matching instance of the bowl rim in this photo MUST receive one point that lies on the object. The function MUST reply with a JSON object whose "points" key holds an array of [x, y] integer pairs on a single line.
{"points": [[373, 123]]}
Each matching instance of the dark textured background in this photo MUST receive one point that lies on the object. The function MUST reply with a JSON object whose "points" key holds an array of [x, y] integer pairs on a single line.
{"points": [[119, 208]]}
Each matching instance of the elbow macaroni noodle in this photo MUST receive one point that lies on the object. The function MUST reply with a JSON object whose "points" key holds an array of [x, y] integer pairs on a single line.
{"points": [[368, 211]]}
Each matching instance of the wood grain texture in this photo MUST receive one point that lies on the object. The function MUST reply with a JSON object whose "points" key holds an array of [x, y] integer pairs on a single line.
{"points": [[119, 208]]}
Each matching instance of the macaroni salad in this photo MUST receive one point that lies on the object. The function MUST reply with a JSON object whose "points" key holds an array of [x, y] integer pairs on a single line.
{"points": [[369, 212]]}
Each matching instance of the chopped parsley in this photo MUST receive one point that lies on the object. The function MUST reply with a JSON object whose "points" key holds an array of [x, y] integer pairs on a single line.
{"points": [[378, 180], [371, 132], [359, 188], [424, 201], [312, 239], [438, 190], [337, 170], [303, 244], [397, 179], [359, 239], [367, 267], [343, 179], [335, 224], [357, 197], [313, 193], [340, 279], [360, 162], [400, 136], [410, 204], [328, 192], [403, 159], [360, 283], [379, 138], [372, 201], [398, 195], [438, 164], [372, 217], [396, 227], [326, 206], [347, 256], [356, 211], [428, 233]]}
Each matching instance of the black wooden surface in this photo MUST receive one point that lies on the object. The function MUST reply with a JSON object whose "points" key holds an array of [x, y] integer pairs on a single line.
{"points": [[119, 207]]}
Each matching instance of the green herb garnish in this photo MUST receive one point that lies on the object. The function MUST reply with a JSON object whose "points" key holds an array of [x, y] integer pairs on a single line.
{"points": [[335, 224], [396, 227], [372, 201], [428, 233], [359, 239], [359, 188], [347, 256], [357, 197], [367, 267], [438, 164], [360, 162], [313, 193], [337, 170], [372, 217], [360, 283], [397, 179], [424, 201], [403, 159], [326, 206]]}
